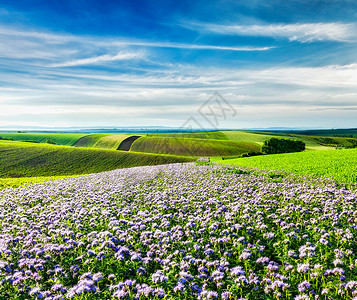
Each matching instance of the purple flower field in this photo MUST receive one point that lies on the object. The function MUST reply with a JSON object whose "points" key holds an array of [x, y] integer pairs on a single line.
{"points": [[181, 231]]}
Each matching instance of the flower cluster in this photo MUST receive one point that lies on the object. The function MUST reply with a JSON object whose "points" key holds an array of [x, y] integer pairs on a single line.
{"points": [[180, 231]]}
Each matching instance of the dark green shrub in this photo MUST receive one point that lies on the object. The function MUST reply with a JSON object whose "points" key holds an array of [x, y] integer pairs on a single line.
{"points": [[251, 153], [6, 139], [275, 145], [51, 142]]}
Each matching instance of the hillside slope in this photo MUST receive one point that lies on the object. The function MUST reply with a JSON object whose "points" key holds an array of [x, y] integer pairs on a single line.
{"points": [[259, 137], [339, 164], [20, 159], [192, 146], [65, 139]]}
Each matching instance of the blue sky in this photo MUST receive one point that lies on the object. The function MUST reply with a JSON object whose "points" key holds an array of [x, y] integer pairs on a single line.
{"points": [[146, 63]]}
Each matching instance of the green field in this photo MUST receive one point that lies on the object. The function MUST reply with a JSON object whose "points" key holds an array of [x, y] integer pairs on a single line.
{"points": [[192, 146], [213, 135], [338, 164], [246, 136], [260, 137], [17, 182], [66, 139], [89, 140], [352, 132], [110, 141], [20, 159], [339, 142], [102, 141]]}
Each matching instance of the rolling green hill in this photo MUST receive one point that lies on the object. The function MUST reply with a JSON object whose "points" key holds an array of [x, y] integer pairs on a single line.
{"points": [[339, 164], [246, 136], [341, 142], [89, 140], [259, 137], [350, 133], [103, 141], [213, 135], [192, 146], [20, 159], [66, 139], [111, 141]]}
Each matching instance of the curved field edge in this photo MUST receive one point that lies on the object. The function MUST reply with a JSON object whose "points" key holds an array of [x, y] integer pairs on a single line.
{"points": [[111, 142], [338, 164], [89, 140], [104, 141], [192, 146], [65, 139], [33, 160]]}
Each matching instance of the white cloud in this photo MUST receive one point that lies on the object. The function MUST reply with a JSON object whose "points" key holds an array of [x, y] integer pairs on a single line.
{"points": [[301, 32], [189, 46], [50, 38], [99, 59], [64, 49], [35, 87]]}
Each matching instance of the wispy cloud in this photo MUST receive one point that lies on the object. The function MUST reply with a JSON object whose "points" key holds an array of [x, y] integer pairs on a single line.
{"points": [[68, 49], [301, 32], [99, 59], [189, 46]]}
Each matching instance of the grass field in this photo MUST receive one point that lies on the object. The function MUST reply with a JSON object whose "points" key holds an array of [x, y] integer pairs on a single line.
{"points": [[330, 132], [110, 141], [260, 137], [102, 141], [339, 142], [192, 147], [66, 139], [89, 140], [20, 159], [338, 164], [18, 182], [213, 135], [246, 136]]}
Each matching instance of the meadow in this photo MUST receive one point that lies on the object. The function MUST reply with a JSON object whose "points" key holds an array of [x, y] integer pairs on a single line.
{"points": [[192, 146], [338, 164], [113, 141], [180, 231], [19, 159], [212, 135], [66, 139]]}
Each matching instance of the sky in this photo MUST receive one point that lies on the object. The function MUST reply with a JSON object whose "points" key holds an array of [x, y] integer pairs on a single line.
{"points": [[201, 64]]}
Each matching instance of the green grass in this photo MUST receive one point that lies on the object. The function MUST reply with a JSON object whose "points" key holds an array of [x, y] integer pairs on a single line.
{"points": [[246, 136], [66, 139], [338, 164], [341, 142], [102, 141], [89, 140], [259, 137], [192, 147], [18, 182], [111, 141], [213, 135], [20, 159], [329, 132]]}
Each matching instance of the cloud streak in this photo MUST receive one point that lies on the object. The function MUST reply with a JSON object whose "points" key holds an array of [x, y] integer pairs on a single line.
{"points": [[99, 59], [190, 46], [67, 49], [304, 33]]}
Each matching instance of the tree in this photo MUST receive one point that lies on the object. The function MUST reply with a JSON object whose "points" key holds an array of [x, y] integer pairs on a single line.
{"points": [[276, 145]]}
